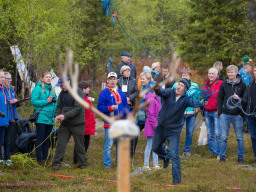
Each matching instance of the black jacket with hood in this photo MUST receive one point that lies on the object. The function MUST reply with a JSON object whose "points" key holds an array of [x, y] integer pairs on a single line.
{"points": [[227, 89]]}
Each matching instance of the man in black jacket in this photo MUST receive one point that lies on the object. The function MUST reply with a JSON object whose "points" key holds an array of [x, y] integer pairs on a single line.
{"points": [[233, 84], [169, 127], [71, 116], [126, 61]]}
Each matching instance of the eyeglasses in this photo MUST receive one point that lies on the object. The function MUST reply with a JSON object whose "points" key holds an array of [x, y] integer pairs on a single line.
{"points": [[9, 79]]}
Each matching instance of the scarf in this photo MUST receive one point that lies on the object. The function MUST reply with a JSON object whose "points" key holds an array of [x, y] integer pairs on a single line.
{"points": [[115, 94]]}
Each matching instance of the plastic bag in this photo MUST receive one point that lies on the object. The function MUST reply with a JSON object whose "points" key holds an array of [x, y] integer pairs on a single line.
{"points": [[203, 139]]}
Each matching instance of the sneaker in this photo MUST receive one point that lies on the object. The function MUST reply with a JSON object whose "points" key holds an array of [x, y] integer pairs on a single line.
{"points": [[166, 163], [146, 168], [176, 183], [222, 159], [81, 166], [186, 154], [56, 167], [240, 160], [155, 168], [218, 158], [8, 162], [2, 161]]}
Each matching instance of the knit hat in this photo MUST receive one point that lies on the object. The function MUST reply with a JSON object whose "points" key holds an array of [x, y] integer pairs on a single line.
{"points": [[146, 69], [186, 82], [154, 65], [245, 59], [125, 67]]}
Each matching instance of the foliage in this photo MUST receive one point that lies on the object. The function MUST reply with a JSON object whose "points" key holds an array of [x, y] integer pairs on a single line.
{"points": [[216, 30]]}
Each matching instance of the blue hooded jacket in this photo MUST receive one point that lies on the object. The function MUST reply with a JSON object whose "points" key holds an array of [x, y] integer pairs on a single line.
{"points": [[4, 121], [11, 96]]}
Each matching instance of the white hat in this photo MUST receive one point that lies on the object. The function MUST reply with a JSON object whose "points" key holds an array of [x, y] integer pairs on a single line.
{"points": [[146, 69], [112, 74]]}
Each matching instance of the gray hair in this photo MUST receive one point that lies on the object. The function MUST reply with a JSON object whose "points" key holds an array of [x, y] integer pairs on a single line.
{"points": [[214, 69]]}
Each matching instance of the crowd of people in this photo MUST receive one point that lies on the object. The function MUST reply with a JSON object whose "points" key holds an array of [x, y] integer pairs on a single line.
{"points": [[170, 107]]}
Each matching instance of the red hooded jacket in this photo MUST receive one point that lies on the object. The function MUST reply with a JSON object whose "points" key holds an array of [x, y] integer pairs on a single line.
{"points": [[89, 120], [213, 87]]}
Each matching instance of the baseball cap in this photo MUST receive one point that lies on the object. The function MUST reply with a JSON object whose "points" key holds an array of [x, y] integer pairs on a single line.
{"points": [[112, 74], [60, 81], [126, 54]]}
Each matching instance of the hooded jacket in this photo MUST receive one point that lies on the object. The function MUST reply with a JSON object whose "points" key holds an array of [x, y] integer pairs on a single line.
{"points": [[89, 119], [172, 112], [4, 121], [152, 113], [39, 100], [213, 89], [227, 89], [12, 112]]}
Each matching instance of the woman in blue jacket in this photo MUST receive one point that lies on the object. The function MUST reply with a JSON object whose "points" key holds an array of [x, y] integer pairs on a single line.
{"points": [[45, 101], [12, 116], [4, 122]]}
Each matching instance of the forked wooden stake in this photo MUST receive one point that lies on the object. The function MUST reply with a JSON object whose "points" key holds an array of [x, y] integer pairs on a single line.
{"points": [[123, 169]]}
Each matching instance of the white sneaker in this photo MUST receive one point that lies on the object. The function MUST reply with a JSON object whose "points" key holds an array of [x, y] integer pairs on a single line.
{"points": [[2, 161], [146, 168], [8, 162], [155, 168]]}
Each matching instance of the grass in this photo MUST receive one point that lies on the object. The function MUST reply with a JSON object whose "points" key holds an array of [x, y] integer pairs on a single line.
{"points": [[199, 172]]}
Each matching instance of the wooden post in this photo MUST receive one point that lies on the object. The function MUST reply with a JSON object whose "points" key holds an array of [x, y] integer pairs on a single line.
{"points": [[123, 167]]}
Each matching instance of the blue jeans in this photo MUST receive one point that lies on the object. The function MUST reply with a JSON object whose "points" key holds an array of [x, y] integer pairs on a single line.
{"points": [[159, 148], [107, 146], [190, 126], [147, 152], [7, 140], [237, 121], [42, 146], [212, 122], [2, 133], [251, 122]]}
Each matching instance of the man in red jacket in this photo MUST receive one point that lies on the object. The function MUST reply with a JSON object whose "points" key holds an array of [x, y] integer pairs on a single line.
{"points": [[212, 119]]}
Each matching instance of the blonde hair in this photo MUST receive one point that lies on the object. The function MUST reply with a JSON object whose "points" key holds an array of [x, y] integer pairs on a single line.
{"points": [[147, 75], [217, 65], [154, 65], [43, 86], [232, 67]]}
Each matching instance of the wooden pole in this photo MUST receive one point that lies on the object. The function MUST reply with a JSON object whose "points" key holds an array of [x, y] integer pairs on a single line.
{"points": [[123, 165]]}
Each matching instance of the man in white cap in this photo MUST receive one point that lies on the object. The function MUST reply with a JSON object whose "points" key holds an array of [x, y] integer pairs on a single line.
{"points": [[112, 102]]}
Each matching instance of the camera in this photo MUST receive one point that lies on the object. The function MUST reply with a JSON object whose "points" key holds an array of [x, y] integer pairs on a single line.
{"points": [[54, 99], [2, 114]]}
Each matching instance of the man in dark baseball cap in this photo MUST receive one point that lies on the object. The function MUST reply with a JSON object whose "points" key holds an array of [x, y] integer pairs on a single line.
{"points": [[126, 61]]}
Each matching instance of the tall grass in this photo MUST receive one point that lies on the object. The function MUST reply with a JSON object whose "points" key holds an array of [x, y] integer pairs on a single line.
{"points": [[200, 172]]}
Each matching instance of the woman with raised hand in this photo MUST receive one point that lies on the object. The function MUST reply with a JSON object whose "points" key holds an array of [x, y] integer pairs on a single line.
{"points": [[45, 101]]}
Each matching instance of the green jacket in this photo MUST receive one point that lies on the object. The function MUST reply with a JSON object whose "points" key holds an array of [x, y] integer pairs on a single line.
{"points": [[39, 100]]}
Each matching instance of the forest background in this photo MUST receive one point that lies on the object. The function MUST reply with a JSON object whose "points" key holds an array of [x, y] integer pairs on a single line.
{"points": [[201, 31]]}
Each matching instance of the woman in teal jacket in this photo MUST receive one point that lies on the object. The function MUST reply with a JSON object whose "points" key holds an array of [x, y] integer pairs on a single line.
{"points": [[190, 113], [45, 101]]}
